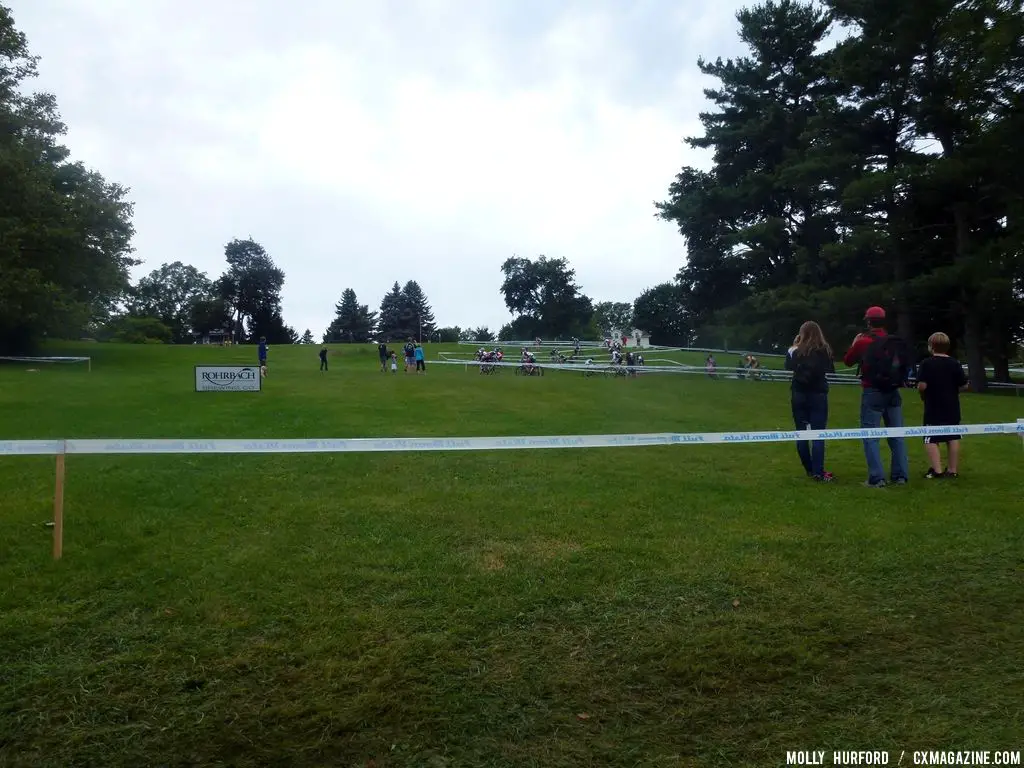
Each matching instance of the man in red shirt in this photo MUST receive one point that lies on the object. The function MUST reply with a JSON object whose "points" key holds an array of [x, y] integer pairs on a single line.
{"points": [[877, 406]]}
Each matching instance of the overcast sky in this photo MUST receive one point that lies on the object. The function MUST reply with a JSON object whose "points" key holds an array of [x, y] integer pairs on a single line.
{"points": [[367, 141]]}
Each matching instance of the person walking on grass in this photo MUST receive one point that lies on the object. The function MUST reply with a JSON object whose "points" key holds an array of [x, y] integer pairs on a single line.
{"points": [[323, 359], [421, 364], [382, 351], [940, 380], [810, 359], [883, 361], [262, 352]]}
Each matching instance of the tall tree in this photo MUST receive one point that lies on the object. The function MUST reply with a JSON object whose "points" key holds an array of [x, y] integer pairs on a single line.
{"points": [[389, 326], [416, 315], [872, 172], [481, 334], [251, 286], [169, 294], [267, 322], [448, 335], [756, 203], [65, 232], [353, 322], [613, 316], [544, 295], [307, 337], [661, 312], [948, 73], [210, 313]]}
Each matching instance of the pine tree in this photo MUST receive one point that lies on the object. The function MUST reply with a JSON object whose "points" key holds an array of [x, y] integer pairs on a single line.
{"points": [[353, 322], [416, 315], [389, 327], [307, 337]]}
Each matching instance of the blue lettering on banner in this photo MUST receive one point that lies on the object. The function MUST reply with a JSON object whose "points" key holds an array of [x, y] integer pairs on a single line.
{"points": [[684, 438]]}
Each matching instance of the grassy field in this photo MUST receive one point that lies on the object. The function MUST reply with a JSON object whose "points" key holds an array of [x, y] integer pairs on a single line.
{"points": [[666, 606]]}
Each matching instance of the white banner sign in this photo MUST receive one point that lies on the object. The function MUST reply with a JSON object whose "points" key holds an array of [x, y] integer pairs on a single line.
{"points": [[227, 378]]}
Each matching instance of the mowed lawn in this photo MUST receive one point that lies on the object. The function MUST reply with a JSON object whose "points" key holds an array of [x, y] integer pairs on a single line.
{"points": [[667, 606]]}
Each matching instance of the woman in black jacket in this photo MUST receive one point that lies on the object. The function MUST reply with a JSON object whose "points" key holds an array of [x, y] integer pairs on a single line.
{"points": [[810, 359]]}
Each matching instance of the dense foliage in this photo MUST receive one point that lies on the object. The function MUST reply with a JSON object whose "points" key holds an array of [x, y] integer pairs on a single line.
{"points": [[879, 170], [65, 232]]}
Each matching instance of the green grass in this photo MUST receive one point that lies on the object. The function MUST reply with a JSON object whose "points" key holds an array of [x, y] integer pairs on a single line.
{"points": [[686, 605]]}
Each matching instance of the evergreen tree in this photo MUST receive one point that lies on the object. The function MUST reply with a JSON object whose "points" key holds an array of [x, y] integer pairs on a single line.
{"points": [[880, 171], [389, 327], [307, 337], [353, 322], [416, 316]]}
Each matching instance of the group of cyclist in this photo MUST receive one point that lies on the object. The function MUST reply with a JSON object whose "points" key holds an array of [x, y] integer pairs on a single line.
{"points": [[489, 358], [622, 364]]}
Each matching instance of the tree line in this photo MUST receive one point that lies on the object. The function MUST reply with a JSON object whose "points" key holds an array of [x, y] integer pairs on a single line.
{"points": [[65, 256], [882, 169], [177, 303]]}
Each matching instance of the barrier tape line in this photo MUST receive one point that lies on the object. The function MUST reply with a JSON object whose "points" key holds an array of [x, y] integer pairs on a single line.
{"points": [[721, 372], [410, 444], [607, 368]]}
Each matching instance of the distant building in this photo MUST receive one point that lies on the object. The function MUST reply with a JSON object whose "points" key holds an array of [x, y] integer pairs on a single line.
{"points": [[219, 336], [634, 338]]}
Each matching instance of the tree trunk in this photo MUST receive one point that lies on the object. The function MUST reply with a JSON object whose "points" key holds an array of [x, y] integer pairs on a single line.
{"points": [[972, 343], [972, 315], [1001, 364], [904, 317]]}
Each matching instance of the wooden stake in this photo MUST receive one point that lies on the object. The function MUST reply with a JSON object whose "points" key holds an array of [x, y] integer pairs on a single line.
{"points": [[58, 509]]}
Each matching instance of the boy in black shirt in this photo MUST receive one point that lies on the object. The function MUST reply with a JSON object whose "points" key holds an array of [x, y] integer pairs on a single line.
{"points": [[940, 379], [323, 359]]}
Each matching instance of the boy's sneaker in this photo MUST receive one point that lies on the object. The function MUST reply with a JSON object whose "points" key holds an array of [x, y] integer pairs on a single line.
{"points": [[876, 484], [931, 474], [950, 475], [826, 477], [900, 481]]}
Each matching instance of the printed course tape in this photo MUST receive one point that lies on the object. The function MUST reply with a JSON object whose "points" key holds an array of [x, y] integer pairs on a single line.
{"points": [[723, 371], [406, 444]]}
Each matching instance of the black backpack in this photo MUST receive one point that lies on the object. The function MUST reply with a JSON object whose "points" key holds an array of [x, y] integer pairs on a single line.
{"points": [[886, 363], [809, 370]]}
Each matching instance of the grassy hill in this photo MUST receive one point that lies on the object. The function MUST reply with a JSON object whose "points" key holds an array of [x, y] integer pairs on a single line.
{"points": [[683, 605]]}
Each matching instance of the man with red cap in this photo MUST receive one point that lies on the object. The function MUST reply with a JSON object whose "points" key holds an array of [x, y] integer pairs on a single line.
{"points": [[883, 363]]}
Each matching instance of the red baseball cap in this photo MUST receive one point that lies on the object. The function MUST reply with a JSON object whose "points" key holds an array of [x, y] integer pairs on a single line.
{"points": [[874, 313]]}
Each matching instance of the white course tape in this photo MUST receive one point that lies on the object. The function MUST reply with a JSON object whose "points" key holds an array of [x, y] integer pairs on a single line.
{"points": [[46, 359], [410, 444], [606, 368], [31, 447]]}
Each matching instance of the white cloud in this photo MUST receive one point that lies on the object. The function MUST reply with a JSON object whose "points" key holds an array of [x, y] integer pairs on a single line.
{"points": [[364, 143]]}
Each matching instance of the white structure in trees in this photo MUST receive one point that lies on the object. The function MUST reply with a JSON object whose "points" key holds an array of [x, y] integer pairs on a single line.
{"points": [[634, 338]]}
